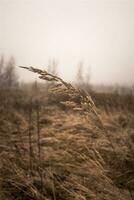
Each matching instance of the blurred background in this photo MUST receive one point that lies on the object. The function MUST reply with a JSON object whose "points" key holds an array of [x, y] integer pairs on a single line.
{"points": [[94, 36]]}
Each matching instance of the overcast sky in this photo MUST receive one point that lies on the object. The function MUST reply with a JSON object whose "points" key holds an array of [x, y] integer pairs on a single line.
{"points": [[98, 32]]}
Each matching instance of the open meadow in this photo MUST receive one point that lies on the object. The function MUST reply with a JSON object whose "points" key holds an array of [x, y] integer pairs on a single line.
{"points": [[66, 99], [55, 144]]}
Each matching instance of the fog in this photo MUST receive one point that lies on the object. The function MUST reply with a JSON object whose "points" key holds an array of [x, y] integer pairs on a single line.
{"points": [[98, 32]]}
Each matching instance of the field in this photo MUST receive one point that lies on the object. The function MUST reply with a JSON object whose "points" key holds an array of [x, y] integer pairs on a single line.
{"points": [[51, 149]]}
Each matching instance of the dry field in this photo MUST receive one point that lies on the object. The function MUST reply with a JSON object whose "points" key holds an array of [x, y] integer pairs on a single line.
{"points": [[58, 151]]}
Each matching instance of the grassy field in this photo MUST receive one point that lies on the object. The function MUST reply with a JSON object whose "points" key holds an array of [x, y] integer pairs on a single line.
{"points": [[51, 149]]}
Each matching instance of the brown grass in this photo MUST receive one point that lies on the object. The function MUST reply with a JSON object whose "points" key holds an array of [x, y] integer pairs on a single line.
{"points": [[63, 153]]}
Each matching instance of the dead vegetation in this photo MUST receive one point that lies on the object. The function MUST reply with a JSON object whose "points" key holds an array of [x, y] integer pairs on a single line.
{"points": [[64, 151]]}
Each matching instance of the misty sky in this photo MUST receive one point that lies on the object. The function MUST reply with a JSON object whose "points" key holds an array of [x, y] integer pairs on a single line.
{"points": [[98, 32]]}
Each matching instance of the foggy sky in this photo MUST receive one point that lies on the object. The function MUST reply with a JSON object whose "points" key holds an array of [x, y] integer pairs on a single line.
{"points": [[98, 32]]}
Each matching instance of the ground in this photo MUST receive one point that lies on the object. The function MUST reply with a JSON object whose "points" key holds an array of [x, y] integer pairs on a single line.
{"points": [[52, 152]]}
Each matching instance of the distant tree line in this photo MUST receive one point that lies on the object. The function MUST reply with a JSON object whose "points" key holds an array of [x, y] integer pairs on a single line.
{"points": [[8, 75]]}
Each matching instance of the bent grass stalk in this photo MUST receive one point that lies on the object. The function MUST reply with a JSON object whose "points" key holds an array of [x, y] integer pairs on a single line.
{"points": [[86, 100], [78, 98]]}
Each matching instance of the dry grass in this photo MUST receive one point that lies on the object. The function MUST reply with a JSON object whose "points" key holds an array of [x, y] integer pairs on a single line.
{"points": [[62, 154]]}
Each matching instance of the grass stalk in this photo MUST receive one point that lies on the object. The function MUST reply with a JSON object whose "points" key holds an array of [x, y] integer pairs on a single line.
{"points": [[30, 135]]}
